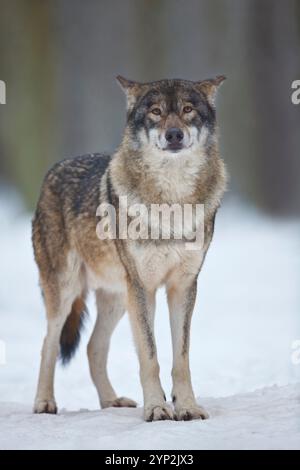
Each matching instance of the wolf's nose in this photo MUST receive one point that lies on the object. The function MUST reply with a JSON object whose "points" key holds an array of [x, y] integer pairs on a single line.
{"points": [[174, 135]]}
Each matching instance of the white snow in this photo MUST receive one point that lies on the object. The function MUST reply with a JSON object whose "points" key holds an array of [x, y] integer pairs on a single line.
{"points": [[266, 419], [245, 322]]}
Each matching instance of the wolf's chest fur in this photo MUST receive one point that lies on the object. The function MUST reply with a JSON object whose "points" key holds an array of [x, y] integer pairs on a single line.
{"points": [[156, 263], [154, 260]]}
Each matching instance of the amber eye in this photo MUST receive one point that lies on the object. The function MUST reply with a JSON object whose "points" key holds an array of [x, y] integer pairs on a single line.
{"points": [[187, 109], [156, 111]]}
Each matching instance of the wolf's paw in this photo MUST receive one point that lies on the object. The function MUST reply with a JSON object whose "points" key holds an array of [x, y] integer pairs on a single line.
{"points": [[158, 412], [122, 402], [45, 406], [190, 412]]}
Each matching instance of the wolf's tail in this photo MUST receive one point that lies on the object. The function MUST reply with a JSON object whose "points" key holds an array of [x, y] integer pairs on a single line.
{"points": [[70, 335]]}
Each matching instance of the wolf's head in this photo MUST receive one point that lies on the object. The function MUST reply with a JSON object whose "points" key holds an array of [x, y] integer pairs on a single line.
{"points": [[170, 117]]}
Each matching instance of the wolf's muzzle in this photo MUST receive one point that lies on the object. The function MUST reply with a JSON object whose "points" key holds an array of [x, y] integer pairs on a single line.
{"points": [[174, 137]]}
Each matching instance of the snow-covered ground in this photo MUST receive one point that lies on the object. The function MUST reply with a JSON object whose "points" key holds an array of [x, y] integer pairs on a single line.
{"points": [[266, 419], [245, 323]]}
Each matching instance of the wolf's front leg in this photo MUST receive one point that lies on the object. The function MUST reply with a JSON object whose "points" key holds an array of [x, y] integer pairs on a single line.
{"points": [[181, 299], [141, 308]]}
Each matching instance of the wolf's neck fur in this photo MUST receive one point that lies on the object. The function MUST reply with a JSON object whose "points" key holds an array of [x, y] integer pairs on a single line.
{"points": [[191, 177]]}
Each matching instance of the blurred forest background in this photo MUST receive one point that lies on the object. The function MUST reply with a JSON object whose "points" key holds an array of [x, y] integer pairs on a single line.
{"points": [[59, 59]]}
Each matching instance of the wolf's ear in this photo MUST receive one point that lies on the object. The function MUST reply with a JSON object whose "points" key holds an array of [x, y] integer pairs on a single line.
{"points": [[132, 90], [210, 87]]}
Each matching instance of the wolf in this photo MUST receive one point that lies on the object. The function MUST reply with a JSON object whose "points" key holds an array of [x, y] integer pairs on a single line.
{"points": [[168, 155]]}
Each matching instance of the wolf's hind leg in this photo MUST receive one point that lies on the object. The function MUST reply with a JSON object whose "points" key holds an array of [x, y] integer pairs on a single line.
{"points": [[45, 401], [64, 297], [58, 308], [110, 308]]}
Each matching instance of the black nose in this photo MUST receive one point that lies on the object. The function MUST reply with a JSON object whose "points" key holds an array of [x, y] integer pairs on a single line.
{"points": [[174, 135]]}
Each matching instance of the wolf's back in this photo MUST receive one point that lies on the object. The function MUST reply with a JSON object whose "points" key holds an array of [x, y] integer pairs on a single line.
{"points": [[75, 180], [70, 188]]}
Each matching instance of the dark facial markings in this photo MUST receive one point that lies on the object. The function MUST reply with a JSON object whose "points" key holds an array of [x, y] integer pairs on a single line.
{"points": [[205, 114], [171, 96], [137, 119]]}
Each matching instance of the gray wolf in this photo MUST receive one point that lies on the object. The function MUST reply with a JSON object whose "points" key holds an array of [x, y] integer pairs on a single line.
{"points": [[168, 155]]}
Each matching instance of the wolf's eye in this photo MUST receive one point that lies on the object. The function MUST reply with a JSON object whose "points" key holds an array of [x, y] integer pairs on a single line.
{"points": [[156, 111], [187, 109]]}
